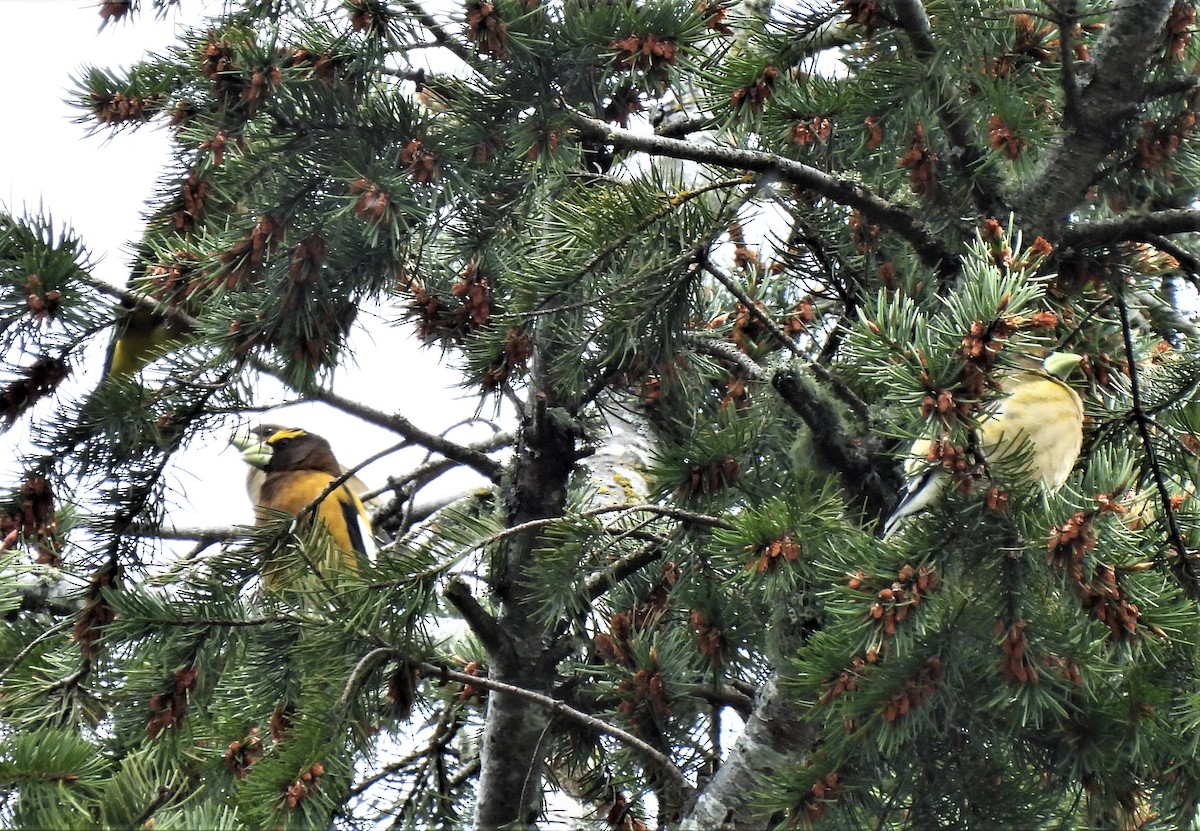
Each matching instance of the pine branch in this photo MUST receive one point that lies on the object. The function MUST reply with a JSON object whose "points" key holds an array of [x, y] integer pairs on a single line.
{"points": [[33, 644], [865, 475], [598, 582], [1065, 17], [174, 314], [358, 676], [1186, 565], [397, 423], [482, 623], [985, 187], [687, 517], [460, 50], [724, 696], [468, 770], [683, 126], [537, 524], [1109, 98], [657, 760], [717, 347], [831, 436], [205, 535], [1130, 227], [392, 767], [776, 738], [1171, 86], [1188, 261], [209, 621], [447, 727], [411, 512], [843, 191], [753, 309], [126, 514], [622, 242], [1165, 319], [407, 487], [164, 796], [430, 470], [480, 462], [417, 76]]}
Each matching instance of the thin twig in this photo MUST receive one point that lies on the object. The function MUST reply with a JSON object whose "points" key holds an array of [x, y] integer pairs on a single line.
{"points": [[439, 466], [387, 770], [33, 644], [313, 507], [365, 666], [753, 309], [447, 727], [558, 707], [1187, 565], [460, 51], [199, 535], [534, 524], [480, 462], [924, 242], [1186, 259]]}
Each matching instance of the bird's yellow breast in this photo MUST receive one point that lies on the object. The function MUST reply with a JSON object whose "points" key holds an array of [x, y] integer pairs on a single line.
{"points": [[1039, 425], [293, 491], [140, 337]]}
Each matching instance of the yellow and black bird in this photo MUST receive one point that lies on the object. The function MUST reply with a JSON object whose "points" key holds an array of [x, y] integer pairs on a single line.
{"points": [[255, 475], [140, 334], [1035, 431], [290, 469]]}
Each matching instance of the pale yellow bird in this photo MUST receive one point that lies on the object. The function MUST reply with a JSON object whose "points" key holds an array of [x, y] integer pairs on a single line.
{"points": [[1033, 434]]}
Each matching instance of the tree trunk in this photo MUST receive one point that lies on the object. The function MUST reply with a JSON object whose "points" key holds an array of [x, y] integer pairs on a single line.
{"points": [[775, 738], [522, 651]]}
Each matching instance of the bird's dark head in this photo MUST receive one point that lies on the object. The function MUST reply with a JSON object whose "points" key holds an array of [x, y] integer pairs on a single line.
{"points": [[273, 448]]}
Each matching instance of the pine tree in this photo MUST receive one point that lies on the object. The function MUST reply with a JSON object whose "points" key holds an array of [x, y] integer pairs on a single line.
{"points": [[727, 262]]}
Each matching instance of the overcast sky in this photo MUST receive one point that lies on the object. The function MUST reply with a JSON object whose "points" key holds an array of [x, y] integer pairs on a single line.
{"points": [[98, 184]]}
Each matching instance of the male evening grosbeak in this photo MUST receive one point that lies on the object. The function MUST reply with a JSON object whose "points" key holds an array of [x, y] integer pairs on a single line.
{"points": [[1038, 424], [296, 467], [256, 475]]}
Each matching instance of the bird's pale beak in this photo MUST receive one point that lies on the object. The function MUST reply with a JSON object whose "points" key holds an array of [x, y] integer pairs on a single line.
{"points": [[255, 452], [242, 439], [1061, 364]]}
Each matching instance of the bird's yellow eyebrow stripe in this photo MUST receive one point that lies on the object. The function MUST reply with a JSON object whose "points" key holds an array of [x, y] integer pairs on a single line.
{"points": [[281, 435]]}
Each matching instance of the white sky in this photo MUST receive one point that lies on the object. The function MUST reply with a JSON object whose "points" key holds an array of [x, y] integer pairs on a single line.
{"points": [[97, 185]]}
